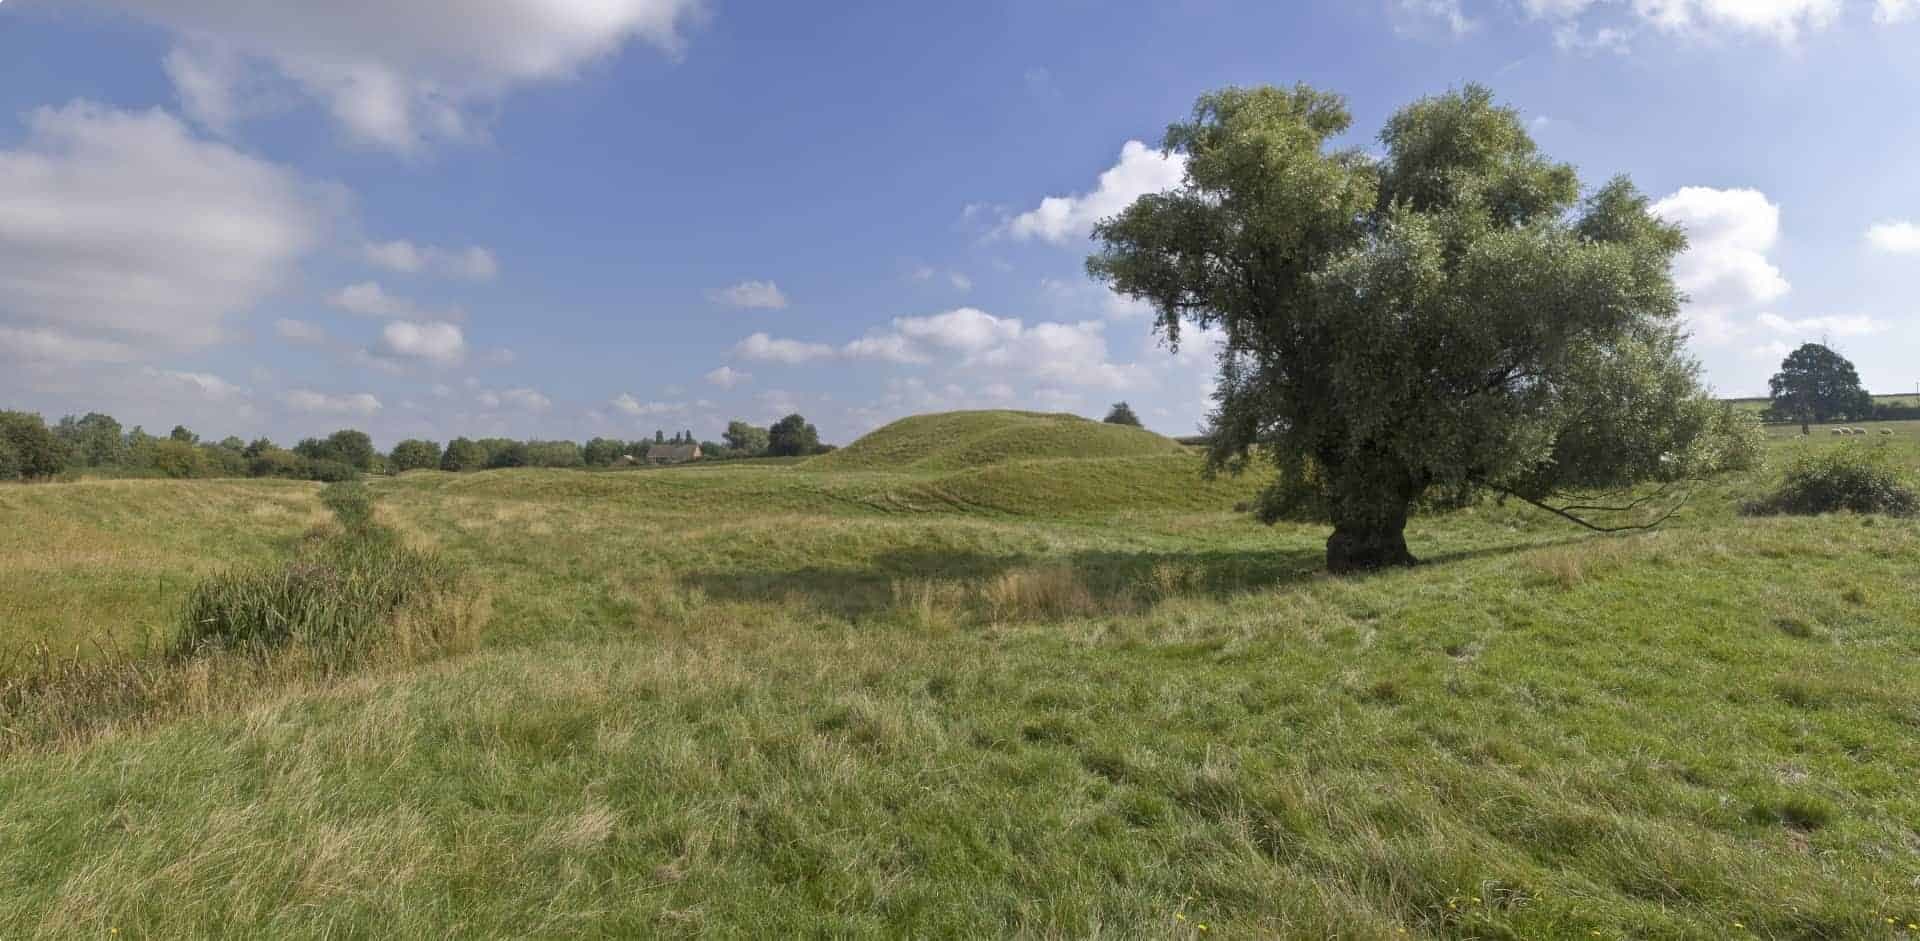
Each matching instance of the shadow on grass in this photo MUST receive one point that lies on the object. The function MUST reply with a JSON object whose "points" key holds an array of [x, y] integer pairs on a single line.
{"points": [[1113, 581]]}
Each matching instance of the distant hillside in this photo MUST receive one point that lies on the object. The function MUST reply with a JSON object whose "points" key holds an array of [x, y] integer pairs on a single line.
{"points": [[951, 441]]}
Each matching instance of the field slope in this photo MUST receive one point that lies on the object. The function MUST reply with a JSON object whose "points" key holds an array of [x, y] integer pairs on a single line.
{"points": [[761, 701]]}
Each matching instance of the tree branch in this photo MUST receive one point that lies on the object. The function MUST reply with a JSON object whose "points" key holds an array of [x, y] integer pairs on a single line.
{"points": [[1566, 513]]}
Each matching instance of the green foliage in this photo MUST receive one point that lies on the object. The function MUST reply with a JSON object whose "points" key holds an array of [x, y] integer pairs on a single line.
{"points": [[37, 452], [9, 461], [1816, 384], [603, 452], [553, 454], [183, 435], [792, 436], [463, 454], [346, 446], [1448, 316], [269, 461], [414, 454], [747, 440], [504, 452], [1851, 477], [959, 440], [96, 440], [352, 447], [330, 471], [1122, 414]]}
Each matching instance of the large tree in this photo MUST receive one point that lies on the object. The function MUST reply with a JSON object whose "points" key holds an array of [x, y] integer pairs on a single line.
{"points": [[1448, 316], [792, 436], [749, 440], [96, 440], [1122, 414], [34, 451], [1815, 384]]}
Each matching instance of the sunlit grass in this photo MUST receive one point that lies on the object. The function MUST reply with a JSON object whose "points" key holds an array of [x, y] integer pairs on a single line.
{"points": [[764, 701]]}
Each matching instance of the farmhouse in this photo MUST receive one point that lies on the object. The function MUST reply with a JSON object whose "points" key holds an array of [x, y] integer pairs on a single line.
{"points": [[672, 453]]}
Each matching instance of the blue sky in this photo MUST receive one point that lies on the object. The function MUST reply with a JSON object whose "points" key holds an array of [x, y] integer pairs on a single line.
{"points": [[563, 218]]}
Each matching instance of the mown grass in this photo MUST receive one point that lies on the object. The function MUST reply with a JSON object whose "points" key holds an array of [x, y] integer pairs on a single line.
{"points": [[764, 702]]}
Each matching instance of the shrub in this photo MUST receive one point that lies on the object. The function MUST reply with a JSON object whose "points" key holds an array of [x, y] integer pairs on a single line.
{"points": [[270, 461], [1858, 479], [175, 458], [327, 471], [9, 461]]}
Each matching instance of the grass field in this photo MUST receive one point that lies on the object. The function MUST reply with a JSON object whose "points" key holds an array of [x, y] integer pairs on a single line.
{"points": [[977, 693]]}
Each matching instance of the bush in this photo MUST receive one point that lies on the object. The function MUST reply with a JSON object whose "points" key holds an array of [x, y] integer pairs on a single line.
{"points": [[9, 461], [270, 461], [327, 471], [1859, 479]]}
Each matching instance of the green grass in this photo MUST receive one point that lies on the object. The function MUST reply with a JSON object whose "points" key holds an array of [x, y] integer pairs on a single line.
{"points": [[1009, 700]]}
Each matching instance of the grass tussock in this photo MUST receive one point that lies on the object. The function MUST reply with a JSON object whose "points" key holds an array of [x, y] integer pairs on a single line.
{"points": [[353, 596]]}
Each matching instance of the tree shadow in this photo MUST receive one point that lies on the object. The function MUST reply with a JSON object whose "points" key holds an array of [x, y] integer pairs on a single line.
{"points": [[1114, 581]]}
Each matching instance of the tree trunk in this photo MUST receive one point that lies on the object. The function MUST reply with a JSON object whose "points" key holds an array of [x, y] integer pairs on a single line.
{"points": [[1368, 538]]}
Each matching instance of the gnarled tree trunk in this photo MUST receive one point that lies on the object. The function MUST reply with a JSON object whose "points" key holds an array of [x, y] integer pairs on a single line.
{"points": [[1369, 537]]}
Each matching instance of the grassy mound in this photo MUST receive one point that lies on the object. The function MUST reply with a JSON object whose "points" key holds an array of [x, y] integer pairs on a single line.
{"points": [[962, 440]]}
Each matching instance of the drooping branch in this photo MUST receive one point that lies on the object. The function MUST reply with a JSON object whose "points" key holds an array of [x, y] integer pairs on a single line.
{"points": [[1569, 513]]}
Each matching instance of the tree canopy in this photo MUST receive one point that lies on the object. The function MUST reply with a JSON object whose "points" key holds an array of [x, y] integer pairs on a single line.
{"points": [[1122, 414], [792, 436], [414, 454], [1816, 384], [1451, 315]]}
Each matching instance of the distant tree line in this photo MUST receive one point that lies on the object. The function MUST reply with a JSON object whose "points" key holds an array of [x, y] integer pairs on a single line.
{"points": [[96, 443]]}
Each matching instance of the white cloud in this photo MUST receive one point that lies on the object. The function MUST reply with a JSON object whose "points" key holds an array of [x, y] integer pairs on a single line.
{"points": [[726, 377], [628, 405], [1895, 238], [472, 263], [300, 331], [1725, 269], [1780, 19], [369, 299], [209, 82], [1890, 12], [1829, 326], [399, 74], [887, 347], [499, 356], [437, 342], [41, 344], [1072, 353], [124, 228], [304, 400], [1141, 170], [1776, 350], [1419, 16], [751, 295], [764, 348], [528, 400], [199, 384]]}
